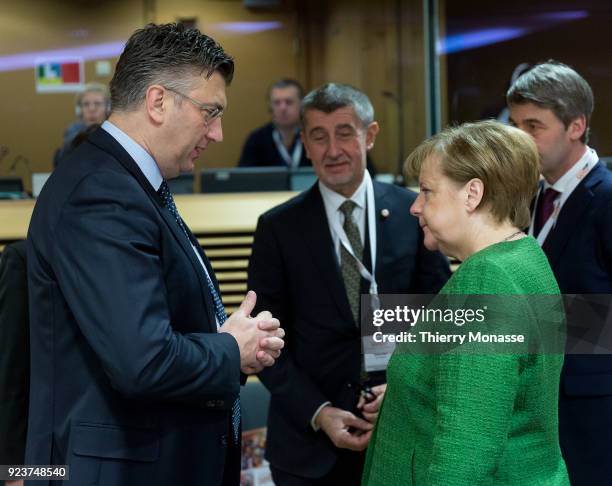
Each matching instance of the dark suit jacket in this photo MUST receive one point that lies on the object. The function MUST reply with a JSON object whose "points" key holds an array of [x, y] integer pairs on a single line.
{"points": [[14, 353], [580, 253], [131, 384], [260, 150], [294, 270]]}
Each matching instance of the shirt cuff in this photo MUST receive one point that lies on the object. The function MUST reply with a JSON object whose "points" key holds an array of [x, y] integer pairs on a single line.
{"points": [[313, 424]]}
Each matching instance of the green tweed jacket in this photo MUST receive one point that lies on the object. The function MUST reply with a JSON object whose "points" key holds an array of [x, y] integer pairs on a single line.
{"points": [[475, 419]]}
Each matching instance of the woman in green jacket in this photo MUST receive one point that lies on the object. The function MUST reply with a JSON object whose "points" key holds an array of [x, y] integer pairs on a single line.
{"points": [[473, 418]]}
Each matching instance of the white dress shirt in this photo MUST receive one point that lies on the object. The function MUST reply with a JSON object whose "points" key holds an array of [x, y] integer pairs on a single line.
{"points": [[332, 202], [566, 184], [564, 181]]}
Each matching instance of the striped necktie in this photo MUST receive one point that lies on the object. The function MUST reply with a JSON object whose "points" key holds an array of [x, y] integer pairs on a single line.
{"points": [[348, 265]]}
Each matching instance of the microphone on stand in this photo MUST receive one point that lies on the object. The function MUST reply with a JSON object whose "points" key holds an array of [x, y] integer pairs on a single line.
{"points": [[4, 150], [26, 162]]}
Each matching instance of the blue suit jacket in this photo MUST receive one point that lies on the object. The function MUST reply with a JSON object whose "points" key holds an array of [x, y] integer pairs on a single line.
{"points": [[580, 253], [294, 270], [131, 383]]}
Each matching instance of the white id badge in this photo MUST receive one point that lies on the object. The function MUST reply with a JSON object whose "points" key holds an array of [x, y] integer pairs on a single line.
{"points": [[376, 356]]}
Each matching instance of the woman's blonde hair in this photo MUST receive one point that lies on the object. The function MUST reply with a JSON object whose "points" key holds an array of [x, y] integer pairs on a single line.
{"points": [[504, 158]]}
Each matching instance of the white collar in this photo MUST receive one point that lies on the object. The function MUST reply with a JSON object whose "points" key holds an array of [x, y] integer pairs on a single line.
{"points": [[334, 200], [566, 179], [146, 163]]}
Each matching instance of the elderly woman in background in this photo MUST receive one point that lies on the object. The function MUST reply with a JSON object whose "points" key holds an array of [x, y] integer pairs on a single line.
{"points": [[92, 107], [474, 419]]}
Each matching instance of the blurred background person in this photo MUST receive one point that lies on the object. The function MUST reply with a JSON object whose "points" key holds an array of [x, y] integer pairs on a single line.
{"points": [[572, 221], [14, 356], [278, 142], [92, 107], [461, 418]]}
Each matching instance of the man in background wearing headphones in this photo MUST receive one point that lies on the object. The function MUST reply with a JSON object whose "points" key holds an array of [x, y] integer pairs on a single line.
{"points": [[92, 106]]}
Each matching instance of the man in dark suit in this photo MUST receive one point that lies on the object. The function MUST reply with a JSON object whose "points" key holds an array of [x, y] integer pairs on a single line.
{"points": [[305, 267], [135, 366], [14, 355], [278, 143], [572, 220]]}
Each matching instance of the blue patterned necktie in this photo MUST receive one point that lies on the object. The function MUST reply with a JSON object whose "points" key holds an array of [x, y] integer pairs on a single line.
{"points": [[166, 195]]}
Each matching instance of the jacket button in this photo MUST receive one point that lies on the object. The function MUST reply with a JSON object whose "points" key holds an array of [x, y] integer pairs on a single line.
{"points": [[223, 440]]}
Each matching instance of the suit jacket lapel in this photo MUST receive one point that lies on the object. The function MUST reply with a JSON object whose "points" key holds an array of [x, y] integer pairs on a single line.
{"points": [[380, 203], [106, 142], [210, 304], [570, 215], [208, 298], [318, 240]]}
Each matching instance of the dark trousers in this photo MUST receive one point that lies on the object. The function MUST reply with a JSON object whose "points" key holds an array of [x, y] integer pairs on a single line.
{"points": [[231, 471], [346, 472]]}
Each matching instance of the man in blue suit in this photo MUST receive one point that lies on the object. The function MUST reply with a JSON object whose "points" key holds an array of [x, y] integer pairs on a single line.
{"points": [[135, 369], [312, 258], [572, 220]]}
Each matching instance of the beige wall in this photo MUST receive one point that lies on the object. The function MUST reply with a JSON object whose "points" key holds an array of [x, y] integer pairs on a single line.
{"points": [[376, 46], [261, 58], [316, 41], [32, 124]]}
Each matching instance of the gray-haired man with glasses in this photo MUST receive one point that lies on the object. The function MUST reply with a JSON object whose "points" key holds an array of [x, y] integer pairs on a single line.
{"points": [[135, 366]]}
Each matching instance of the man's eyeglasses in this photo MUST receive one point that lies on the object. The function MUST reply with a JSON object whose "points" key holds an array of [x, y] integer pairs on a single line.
{"points": [[209, 111], [93, 104]]}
